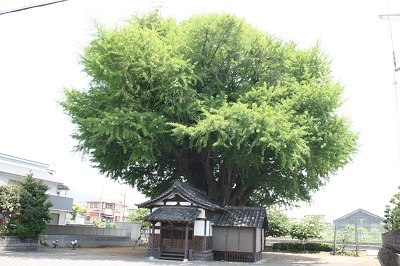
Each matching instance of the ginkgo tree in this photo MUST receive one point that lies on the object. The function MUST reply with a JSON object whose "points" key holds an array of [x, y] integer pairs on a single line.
{"points": [[214, 101]]}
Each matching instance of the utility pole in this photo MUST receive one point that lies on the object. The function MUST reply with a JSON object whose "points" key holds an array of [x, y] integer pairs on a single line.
{"points": [[101, 204], [123, 209]]}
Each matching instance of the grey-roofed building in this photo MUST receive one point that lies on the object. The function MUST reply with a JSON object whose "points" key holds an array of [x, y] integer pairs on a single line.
{"points": [[361, 218], [187, 224]]}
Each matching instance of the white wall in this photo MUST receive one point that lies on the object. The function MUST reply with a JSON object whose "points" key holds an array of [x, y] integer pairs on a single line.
{"points": [[202, 214], [199, 228]]}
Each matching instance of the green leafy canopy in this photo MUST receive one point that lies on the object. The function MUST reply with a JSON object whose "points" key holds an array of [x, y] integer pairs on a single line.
{"points": [[213, 101], [25, 207]]}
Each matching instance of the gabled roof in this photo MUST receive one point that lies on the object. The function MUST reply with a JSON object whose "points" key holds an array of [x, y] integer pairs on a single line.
{"points": [[188, 193], [173, 214], [356, 211], [240, 216]]}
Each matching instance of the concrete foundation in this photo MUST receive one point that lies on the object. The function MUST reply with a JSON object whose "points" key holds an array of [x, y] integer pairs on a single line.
{"points": [[13, 242], [203, 256]]}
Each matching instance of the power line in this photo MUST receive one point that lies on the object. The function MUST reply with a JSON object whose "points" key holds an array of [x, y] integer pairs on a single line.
{"points": [[29, 7]]}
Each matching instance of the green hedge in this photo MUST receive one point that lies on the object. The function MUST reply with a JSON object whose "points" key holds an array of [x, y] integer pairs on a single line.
{"points": [[300, 247]]}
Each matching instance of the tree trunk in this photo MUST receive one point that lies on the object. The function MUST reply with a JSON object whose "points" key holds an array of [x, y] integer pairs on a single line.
{"points": [[224, 186]]}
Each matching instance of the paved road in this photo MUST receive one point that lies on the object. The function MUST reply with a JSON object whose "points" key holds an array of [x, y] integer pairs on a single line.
{"points": [[128, 256]]}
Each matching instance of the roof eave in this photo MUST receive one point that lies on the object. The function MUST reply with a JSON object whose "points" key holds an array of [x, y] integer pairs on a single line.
{"points": [[151, 203]]}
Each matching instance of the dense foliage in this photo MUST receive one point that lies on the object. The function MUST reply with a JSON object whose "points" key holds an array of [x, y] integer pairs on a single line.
{"points": [[392, 213], [77, 210], [213, 101], [27, 209], [308, 227], [137, 216], [279, 224], [9, 205], [297, 246], [104, 224]]}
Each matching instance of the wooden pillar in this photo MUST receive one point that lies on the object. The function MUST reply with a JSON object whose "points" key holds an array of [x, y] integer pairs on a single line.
{"points": [[186, 241], [153, 230]]}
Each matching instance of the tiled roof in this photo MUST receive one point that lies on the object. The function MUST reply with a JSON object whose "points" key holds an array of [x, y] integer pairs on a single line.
{"points": [[173, 214], [187, 192], [240, 216]]}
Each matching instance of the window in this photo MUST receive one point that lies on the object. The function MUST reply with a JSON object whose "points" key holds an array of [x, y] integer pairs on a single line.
{"points": [[109, 206], [94, 205]]}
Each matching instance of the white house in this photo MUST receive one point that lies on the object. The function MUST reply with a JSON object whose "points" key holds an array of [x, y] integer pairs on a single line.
{"points": [[12, 169]]}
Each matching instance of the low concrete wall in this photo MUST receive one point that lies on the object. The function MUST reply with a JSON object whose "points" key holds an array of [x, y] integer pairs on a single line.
{"points": [[388, 255], [89, 236], [64, 241], [388, 258], [13, 242], [82, 230], [132, 228]]}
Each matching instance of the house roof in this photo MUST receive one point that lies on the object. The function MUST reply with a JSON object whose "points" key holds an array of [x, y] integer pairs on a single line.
{"points": [[21, 167], [187, 192], [356, 211], [173, 214], [241, 216]]}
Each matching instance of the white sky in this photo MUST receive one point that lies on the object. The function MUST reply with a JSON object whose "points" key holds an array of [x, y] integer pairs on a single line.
{"points": [[39, 51]]}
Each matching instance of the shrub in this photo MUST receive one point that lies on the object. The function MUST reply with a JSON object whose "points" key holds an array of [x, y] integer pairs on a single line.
{"points": [[10, 206], [104, 224], [298, 246], [34, 214], [392, 213]]}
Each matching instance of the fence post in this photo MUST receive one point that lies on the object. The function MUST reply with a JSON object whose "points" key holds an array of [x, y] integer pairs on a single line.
{"points": [[334, 241], [356, 232]]}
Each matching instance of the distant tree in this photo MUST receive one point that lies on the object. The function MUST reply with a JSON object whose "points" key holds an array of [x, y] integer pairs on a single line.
{"points": [[137, 216], [362, 233], [279, 224], [308, 227], [9, 205], [77, 210], [345, 236], [375, 234], [34, 213], [214, 101]]}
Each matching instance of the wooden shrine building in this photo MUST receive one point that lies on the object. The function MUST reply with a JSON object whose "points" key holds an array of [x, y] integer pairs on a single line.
{"points": [[187, 225]]}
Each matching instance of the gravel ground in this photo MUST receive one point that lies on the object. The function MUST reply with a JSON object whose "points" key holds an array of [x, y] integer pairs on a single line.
{"points": [[137, 256]]}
